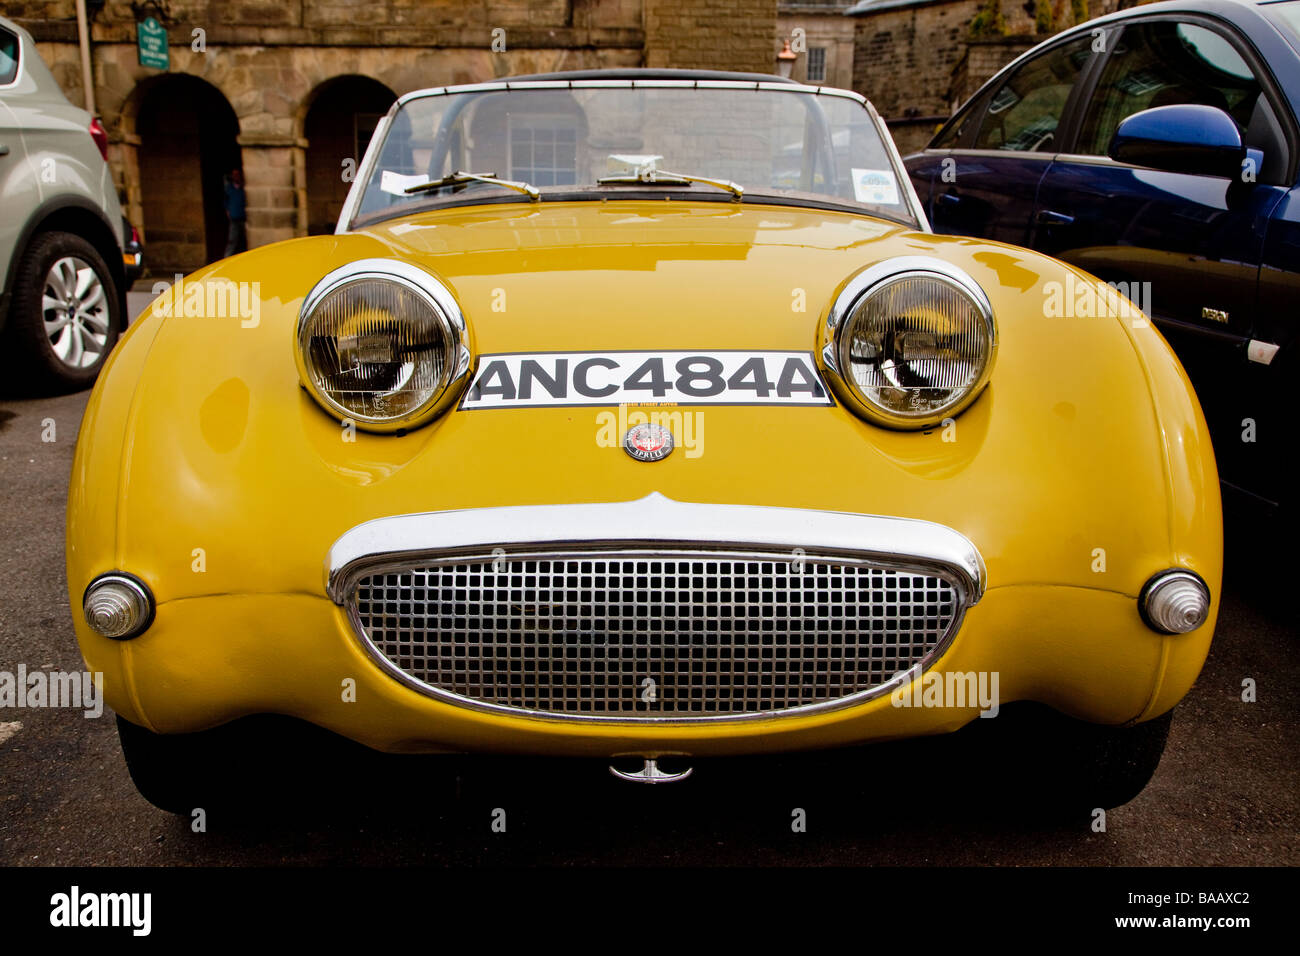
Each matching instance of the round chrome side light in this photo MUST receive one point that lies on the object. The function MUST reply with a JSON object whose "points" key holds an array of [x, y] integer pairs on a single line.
{"points": [[1174, 601], [118, 606]]}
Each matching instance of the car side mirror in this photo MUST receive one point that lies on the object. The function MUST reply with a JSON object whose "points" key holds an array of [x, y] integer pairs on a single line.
{"points": [[1183, 138]]}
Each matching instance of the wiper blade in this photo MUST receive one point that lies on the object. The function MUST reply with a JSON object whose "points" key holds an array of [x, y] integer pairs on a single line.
{"points": [[461, 178], [664, 178]]}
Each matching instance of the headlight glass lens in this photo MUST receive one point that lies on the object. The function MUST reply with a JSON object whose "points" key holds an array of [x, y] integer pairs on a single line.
{"points": [[915, 346], [377, 350]]}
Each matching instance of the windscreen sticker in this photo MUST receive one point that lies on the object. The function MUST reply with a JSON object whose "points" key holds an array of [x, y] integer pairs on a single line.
{"points": [[875, 186], [541, 379], [396, 184]]}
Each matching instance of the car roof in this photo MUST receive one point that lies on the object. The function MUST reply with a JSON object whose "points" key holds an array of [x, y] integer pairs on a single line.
{"points": [[1224, 8]]}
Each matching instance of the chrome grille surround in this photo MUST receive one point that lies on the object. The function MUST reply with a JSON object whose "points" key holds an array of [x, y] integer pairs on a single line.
{"points": [[726, 629]]}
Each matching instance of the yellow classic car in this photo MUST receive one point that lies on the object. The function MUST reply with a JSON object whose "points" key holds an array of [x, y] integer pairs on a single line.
{"points": [[639, 415]]}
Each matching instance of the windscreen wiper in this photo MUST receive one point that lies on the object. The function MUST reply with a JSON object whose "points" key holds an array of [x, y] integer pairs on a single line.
{"points": [[644, 169], [661, 177], [461, 178]]}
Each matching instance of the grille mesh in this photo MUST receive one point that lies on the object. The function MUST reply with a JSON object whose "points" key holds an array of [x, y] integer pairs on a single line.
{"points": [[637, 635]]}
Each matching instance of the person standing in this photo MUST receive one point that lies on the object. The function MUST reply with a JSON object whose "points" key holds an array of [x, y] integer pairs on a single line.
{"points": [[236, 212]]}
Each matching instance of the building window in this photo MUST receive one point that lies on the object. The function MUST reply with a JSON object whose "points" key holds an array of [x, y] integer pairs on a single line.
{"points": [[817, 64], [544, 150]]}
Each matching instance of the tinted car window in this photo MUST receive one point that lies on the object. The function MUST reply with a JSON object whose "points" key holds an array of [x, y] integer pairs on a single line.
{"points": [[1163, 63], [1026, 109], [8, 56], [954, 132]]}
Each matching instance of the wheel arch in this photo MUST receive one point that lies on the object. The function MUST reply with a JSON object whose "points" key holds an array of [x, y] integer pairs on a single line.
{"points": [[79, 216]]}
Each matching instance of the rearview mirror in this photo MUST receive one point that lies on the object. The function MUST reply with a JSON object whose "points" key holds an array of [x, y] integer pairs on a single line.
{"points": [[1184, 138]]}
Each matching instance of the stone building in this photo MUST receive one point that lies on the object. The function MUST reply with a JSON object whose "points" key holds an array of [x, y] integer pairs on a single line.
{"points": [[918, 60], [290, 90], [823, 36]]}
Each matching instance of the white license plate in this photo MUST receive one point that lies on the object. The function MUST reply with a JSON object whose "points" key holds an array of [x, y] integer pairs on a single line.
{"points": [[541, 379]]}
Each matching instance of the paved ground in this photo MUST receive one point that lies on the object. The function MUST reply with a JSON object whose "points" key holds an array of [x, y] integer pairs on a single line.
{"points": [[1226, 792]]}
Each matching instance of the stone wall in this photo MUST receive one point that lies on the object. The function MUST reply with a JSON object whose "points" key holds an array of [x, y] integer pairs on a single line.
{"points": [[824, 25], [903, 57], [911, 57], [710, 34], [269, 60]]}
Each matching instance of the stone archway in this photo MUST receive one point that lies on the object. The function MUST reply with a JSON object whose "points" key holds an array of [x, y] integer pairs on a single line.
{"points": [[337, 125], [186, 141]]}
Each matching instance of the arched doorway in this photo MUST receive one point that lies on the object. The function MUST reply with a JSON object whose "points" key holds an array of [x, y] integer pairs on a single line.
{"points": [[337, 127], [188, 143]]}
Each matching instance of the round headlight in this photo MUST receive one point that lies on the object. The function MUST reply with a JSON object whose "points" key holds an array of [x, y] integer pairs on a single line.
{"points": [[382, 343], [911, 342], [117, 605], [1174, 602]]}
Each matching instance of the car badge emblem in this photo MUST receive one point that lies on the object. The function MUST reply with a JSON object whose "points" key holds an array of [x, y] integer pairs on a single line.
{"points": [[648, 442]]}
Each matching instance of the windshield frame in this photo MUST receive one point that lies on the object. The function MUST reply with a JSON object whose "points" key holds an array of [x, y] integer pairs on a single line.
{"points": [[349, 219]]}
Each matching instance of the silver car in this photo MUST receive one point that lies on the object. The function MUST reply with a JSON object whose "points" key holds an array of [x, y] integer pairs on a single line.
{"points": [[62, 283]]}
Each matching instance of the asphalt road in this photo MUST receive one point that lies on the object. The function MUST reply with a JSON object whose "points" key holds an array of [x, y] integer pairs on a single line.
{"points": [[1226, 791]]}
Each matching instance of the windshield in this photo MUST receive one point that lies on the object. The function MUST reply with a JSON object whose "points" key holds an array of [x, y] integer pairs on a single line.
{"points": [[793, 146]]}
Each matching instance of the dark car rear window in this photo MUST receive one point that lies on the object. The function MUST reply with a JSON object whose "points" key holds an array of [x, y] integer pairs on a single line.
{"points": [[8, 57]]}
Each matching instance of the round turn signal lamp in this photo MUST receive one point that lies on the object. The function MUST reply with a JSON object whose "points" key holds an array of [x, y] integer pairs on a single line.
{"points": [[1174, 602], [118, 606]]}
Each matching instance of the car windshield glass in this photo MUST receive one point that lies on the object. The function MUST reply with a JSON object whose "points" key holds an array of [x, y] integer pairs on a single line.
{"points": [[791, 145]]}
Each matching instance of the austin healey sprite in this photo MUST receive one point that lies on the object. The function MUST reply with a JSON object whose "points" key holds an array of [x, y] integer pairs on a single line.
{"points": [[640, 415]]}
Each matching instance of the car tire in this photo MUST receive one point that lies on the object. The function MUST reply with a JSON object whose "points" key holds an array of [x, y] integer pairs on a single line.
{"points": [[38, 361], [178, 773], [1073, 768], [268, 764]]}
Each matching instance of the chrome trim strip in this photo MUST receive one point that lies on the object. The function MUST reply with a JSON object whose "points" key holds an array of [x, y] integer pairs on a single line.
{"points": [[628, 84], [427, 286], [653, 520], [1090, 159], [1003, 153]]}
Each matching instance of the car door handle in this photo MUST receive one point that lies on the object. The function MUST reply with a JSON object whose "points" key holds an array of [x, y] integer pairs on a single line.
{"points": [[1047, 217], [4, 150], [950, 199]]}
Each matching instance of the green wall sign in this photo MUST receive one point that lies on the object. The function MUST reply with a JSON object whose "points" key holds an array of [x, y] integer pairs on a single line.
{"points": [[151, 41]]}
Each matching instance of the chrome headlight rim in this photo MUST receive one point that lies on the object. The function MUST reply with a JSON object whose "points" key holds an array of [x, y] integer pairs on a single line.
{"points": [[852, 295], [444, 306]]}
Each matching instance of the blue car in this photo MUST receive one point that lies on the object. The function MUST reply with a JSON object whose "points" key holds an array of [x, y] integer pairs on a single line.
{"points": [[1157, 149]]}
